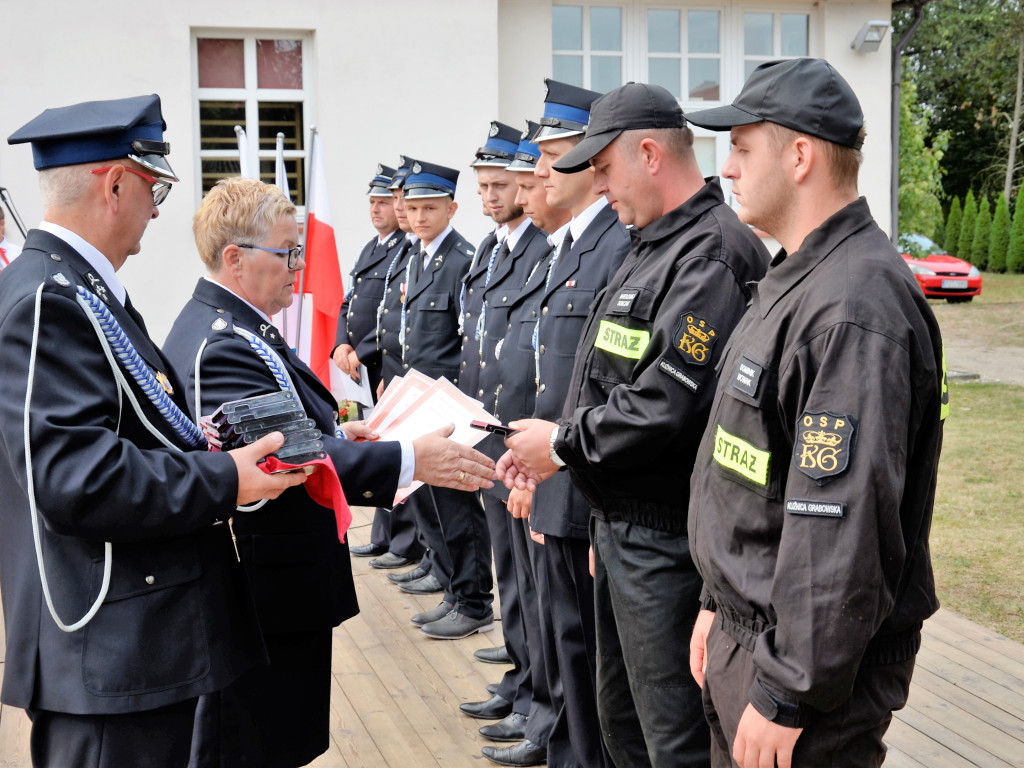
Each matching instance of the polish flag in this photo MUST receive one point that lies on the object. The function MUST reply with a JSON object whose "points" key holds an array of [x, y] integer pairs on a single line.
{"points": [[322, 290]]}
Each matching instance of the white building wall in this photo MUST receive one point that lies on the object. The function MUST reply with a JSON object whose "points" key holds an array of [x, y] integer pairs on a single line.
{"points": [[388, 77]]}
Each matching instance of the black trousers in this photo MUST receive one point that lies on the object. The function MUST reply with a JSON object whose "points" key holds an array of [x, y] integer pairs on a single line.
{"points": [[567, 612], [275, 716], [646, 597], [515, 683], [849, 736], [396, 529], [157, 738]]}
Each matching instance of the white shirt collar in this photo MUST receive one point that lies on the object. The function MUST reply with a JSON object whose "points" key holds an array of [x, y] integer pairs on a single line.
{"points": [[515, 236], [254, 309], [436, 242], [579, 224], [387, 237], [556, 237], [91, 254]]}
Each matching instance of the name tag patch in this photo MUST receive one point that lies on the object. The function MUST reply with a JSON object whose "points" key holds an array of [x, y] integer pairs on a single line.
{"points": [[624, 302], [666, 367], [618, 340], [815, 508], [824, 445], [747, 374], [695, 339], [736, 454]]}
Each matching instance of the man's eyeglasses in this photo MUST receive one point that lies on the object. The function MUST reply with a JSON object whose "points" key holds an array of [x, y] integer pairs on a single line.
{"points": [[294, 254], [161, 188]]}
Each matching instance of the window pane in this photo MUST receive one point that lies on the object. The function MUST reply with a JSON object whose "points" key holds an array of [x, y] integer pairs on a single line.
{"points": [[794, 34], [296, 177], [704, 80], [665, 72], [757, 34], [285, 117], [220, 63], [567, 28], [704, 149], [568, 69], [702, 31], [605, 73], [215, 170], [662, 31], [279, 63], [217, 121], [605, 29]]}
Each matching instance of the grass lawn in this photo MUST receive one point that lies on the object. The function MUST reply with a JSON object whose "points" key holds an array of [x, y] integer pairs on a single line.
{"points": [[978, 531]]}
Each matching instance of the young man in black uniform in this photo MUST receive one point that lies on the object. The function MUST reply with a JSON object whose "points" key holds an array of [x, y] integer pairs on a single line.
{"points": [[640, 392], [357, 344], [812, 497]]}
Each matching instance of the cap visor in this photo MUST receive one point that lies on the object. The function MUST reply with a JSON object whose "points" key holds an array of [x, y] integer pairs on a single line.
{"points": [[157, 164], [578, 158], [722, 118]]}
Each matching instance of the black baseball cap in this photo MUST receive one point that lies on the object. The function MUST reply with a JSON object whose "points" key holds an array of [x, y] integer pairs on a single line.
{"points": [[807, 95], [630, 106]]}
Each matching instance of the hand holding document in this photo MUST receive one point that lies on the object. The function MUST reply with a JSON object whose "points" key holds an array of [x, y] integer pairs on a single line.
{"points": [[415, 406]]}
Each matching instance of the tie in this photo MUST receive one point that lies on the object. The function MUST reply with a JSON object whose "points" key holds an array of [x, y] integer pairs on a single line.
{"points": [[422, 256], [563, 249], [502, 253]]}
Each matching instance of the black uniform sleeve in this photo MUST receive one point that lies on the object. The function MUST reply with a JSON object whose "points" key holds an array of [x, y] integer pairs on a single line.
{"points": [[91, 479], [669, 386], [841, 551], [230, 370]]}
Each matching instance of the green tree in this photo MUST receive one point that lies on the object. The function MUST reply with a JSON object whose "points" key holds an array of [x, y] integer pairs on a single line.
{"points": [[920, 168], [999, 241], [1015, 256], [966, 238], [967, 61], [982, 234], [953, 221]]}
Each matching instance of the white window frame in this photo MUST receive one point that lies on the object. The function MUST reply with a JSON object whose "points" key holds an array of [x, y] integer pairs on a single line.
{"points": [[252, 96]]}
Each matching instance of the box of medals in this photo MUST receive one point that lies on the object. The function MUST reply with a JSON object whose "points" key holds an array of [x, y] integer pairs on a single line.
{"points": [[240, 422]]}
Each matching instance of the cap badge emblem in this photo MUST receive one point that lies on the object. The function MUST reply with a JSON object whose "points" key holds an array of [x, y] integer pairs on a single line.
{"points": [[494, 130], [416, 168]]}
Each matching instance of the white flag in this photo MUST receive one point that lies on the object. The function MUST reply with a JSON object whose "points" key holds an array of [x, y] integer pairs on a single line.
{"points": [[280, 171]]}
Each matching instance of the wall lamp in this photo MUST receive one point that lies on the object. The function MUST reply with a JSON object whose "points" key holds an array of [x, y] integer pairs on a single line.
{"points": [[869, 38]]}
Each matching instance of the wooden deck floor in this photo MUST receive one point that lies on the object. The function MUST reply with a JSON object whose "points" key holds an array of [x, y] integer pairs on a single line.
{"points": [[397, 692]]}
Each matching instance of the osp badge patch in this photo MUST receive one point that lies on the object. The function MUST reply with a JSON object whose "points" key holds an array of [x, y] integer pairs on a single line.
{"points": [[824, 445], [695, 339]]}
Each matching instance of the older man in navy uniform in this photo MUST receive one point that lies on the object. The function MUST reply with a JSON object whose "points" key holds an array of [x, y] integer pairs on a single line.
{"points": [[121, 592]]}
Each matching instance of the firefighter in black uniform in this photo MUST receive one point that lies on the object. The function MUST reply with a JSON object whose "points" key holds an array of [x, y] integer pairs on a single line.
{"points": [[640, 392], [812, 497]]}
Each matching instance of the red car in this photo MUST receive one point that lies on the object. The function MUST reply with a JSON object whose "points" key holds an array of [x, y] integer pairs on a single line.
{"points": [[940, 275]]}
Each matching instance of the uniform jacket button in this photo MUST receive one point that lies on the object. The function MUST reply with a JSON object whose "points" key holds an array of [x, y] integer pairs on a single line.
{"points": [[151, 580], [569, 306], [367, 494], [543, 387], [544, 311]]}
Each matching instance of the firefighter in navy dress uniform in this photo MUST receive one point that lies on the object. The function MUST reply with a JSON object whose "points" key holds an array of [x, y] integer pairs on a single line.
{"points": [[123, 601], [225, 348]]}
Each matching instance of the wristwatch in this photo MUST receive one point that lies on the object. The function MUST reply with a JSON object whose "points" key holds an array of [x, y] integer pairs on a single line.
{"points": [[555, 458]]}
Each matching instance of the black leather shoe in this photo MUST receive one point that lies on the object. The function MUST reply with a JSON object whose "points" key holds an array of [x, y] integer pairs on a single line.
{"points": [[496, 655], [523, 753], [368, 550], [428, 585], [402, 578], [495, 708], [492, 688], [433, 614], [512, 728], [391, 560]]}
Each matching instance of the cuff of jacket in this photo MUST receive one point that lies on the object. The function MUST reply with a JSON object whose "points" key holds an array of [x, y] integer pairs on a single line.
{"points": [[707, 602], [776, 709]]}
